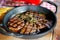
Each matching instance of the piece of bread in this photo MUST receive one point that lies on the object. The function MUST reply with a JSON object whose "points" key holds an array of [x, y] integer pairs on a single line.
{"points": [[3, 11]]}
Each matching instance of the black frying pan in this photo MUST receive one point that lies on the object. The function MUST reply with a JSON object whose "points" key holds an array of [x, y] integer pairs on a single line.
{"points": [[49, 14]]}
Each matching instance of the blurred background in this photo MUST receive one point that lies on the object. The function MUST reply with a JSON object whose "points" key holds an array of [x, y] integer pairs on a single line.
{"points": [[57, 2]]}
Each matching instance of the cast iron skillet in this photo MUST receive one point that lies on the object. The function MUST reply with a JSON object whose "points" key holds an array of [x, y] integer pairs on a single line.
{"points": [[50, 16]]}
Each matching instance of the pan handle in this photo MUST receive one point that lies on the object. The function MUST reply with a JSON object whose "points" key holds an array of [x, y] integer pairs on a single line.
{"points": [[52, 4], [3, 31]]}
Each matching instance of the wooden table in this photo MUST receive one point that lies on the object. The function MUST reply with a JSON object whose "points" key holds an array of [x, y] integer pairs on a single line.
{"points": [[46, 37]]}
